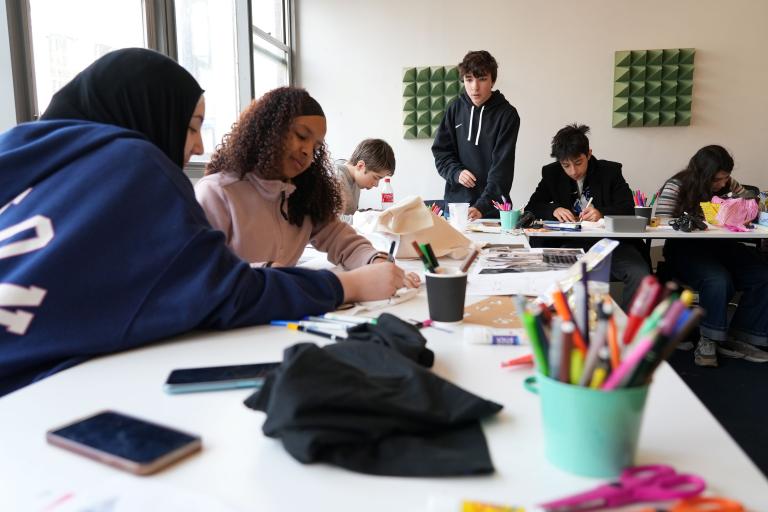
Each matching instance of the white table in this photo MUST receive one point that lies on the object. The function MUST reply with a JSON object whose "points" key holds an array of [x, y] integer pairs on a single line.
{"points": [[241, 467], [661, 232]]}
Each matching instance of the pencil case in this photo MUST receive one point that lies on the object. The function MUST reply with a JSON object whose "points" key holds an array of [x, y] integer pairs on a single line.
{"points": [[625, 223]]}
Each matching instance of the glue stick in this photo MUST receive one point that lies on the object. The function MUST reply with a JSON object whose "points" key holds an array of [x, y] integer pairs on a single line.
{"points": [[479, 335]]}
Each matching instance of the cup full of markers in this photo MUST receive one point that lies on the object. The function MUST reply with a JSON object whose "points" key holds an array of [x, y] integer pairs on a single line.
{"points": [[446, 287], [507, 215], [593, 380]]}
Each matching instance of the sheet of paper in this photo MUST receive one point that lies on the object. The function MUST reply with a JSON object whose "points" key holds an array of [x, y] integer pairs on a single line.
{"points": [[506, 260], [401, 295], [485, 226], [129, 494], [529, 283]]}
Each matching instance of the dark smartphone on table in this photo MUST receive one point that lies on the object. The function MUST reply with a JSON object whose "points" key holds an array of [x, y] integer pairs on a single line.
{"points": [[189, 380], [125, 442]]}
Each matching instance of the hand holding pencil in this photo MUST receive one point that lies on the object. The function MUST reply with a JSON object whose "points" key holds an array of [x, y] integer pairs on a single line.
{"points": [[590, 213]]}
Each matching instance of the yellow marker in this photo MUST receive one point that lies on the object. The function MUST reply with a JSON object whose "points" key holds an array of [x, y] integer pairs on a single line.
{"points": [[476, 506], [687, 297], [577, 366], [598, 376]]}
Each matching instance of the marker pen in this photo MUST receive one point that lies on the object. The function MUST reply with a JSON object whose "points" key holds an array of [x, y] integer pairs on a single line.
{"points": [[533, 336], [313, 325], [349, 318], [644, 300], [330, 336]]}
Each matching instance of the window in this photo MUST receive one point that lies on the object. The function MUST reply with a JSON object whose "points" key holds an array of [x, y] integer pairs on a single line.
{"points": [[207, 48], [271, 44], [235, 54], [64, 40]]}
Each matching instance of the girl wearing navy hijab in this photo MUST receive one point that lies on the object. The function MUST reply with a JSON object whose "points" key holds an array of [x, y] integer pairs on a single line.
{"points": [[103, 246]]}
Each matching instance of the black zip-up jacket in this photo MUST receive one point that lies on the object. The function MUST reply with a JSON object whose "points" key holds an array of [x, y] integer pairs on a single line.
{"points": [[610, 192], [482, 140]]}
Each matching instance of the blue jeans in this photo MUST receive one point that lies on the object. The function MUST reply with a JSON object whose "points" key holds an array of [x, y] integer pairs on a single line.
{"points": [[716, 269]]}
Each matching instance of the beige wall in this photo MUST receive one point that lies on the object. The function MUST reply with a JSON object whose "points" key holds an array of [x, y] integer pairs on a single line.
{"points": [[556, 67]]}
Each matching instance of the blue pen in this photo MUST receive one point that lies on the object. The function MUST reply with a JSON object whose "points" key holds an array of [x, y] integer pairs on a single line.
{"points": [[312, 325], [391, 256], [330, 336]]}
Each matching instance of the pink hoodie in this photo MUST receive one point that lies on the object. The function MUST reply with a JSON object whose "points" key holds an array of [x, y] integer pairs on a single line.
{"points": [[248, 212]]}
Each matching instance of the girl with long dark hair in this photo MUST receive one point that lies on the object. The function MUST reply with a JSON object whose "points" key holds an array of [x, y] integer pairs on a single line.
{"points": [[716, 269]]}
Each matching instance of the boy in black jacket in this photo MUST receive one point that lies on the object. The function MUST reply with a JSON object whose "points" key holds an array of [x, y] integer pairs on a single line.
{"points": [[578, 186], [474, 146]]}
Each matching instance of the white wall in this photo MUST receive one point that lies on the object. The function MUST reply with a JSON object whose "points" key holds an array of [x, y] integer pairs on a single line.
{"points": [[7, 106], [556, 67]]}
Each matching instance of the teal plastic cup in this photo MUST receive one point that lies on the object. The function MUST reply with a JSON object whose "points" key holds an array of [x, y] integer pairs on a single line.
{"points": [[589, 432], [509, 219]]}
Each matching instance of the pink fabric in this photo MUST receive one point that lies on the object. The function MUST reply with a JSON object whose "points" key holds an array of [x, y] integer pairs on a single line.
{"points": [[248, 212], [735, 212]]}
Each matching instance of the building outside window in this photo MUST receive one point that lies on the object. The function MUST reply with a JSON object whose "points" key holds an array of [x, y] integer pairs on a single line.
{"points": [[236, 49]]}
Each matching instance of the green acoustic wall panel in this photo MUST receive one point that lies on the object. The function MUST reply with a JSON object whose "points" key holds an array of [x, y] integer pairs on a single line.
{"points": [[651, 87], [426, 93]]}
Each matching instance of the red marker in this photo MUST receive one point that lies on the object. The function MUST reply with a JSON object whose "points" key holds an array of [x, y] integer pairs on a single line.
{"points": [[522, 360], [644, 301]]}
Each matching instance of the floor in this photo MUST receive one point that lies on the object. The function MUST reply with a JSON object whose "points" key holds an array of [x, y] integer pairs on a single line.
{"points": [[735, 393]]}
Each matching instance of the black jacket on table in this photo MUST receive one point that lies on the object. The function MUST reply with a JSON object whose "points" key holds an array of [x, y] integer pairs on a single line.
{"points": [[481, 139], [609, 191]]}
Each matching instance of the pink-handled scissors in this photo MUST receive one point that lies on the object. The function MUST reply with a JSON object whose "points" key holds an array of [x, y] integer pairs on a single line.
{"points": [[636, 484]]}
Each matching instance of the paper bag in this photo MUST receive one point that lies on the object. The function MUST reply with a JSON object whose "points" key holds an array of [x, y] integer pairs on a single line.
{"points": [[410, 220]]}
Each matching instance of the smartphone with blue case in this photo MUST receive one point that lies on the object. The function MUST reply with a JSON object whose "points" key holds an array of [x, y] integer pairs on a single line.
{"points": [[215, 378]]}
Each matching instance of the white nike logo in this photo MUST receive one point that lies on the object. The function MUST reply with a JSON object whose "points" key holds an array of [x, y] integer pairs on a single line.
{"points": [[458, 125]]}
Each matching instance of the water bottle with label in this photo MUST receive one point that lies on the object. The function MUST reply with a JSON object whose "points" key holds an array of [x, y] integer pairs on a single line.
{"points": [[387, 195]]}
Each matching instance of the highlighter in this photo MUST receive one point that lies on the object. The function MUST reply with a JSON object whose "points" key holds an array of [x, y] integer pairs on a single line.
{"points": [[577, 366], [529, 322]]}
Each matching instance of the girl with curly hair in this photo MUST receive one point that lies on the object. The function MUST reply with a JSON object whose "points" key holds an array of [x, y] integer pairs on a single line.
{"points": [[119, 133], [270, 187]]}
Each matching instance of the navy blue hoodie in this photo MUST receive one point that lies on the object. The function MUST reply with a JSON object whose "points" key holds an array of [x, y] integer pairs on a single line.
{"points": [[103, 247], [481, 139]]}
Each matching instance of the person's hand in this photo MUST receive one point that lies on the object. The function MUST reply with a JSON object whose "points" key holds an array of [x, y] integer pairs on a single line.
{"points": [[591, 214], [564, 215], [467, 179], [372, 282], [474, 214], [412, 280]]}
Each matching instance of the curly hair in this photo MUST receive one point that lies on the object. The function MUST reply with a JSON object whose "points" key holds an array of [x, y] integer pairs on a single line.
{"points": [[696, 179], [256, 145]]}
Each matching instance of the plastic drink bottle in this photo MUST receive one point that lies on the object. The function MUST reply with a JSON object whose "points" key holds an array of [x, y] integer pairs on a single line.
{"points": [[387, 195]]}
